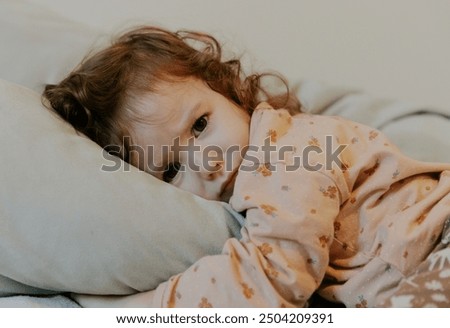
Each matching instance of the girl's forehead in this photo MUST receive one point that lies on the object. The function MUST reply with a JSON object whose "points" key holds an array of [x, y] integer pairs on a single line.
{"points": [[169, 101], [167, 113], [154, 109]]}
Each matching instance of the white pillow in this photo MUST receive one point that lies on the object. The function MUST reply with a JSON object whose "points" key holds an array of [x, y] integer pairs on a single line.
{"points": [[66, 225]]}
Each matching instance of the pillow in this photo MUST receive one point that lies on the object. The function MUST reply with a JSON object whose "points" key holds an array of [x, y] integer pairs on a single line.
{"points": [[68, 225]]}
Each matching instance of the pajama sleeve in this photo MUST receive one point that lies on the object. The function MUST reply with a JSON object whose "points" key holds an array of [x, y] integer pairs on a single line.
{"points": [[283, 254]]}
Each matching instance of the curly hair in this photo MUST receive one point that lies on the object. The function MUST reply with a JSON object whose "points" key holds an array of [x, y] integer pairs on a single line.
{"points": [[96, 97]]}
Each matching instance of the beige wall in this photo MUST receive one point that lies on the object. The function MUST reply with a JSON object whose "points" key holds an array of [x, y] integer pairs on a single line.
{"points": [[391, 48]]}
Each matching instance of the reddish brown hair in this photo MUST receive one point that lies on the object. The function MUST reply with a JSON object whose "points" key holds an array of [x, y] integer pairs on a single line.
{"points": [[95, 97]]}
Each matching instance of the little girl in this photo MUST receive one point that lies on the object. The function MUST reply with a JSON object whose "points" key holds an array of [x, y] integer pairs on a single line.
{"points": [[331, 206]]}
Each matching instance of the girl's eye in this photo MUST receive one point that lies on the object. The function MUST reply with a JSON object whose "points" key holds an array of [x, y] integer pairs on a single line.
{"points": [[199, 125], [171, 171]]}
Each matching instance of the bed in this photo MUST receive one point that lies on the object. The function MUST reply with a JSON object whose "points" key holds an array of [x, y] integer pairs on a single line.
{"points": [[67, 226]]}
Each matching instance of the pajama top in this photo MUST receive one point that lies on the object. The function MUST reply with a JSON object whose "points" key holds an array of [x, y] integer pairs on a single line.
{"points": [[331, 206]]}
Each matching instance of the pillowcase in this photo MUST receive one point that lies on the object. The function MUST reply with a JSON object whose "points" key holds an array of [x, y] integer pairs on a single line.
{"points": [[67, 225]]}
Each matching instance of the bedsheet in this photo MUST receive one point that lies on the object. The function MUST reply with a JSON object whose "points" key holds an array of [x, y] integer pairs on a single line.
{"points": [[420, 132]]}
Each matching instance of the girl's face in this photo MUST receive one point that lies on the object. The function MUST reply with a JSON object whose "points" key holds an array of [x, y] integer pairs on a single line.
{"points": [[191, 137]]}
